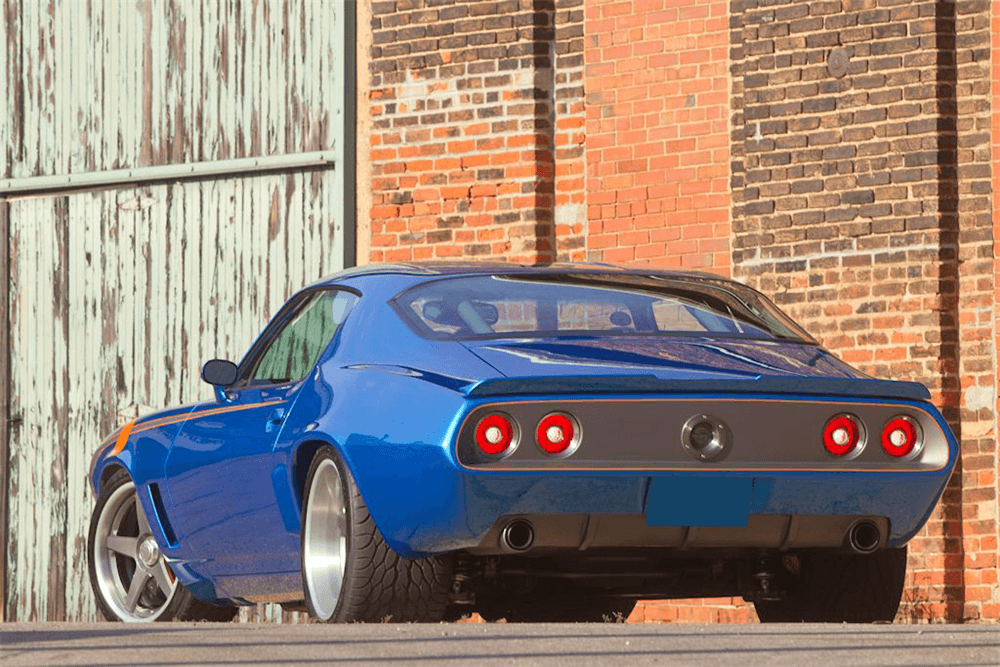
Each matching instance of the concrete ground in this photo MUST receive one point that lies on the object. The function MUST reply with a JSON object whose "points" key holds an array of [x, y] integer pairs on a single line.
{"points": [[499, 644]]}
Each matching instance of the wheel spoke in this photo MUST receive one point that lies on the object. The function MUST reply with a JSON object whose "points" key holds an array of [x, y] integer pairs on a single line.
{"points": [[141, 516], [163, 579], [135, 589], [126, 546]]}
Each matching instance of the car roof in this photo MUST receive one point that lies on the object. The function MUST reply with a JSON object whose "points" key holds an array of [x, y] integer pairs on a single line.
{"points": [[438, 269]]}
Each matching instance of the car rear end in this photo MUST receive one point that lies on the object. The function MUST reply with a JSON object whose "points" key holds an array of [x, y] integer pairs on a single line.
{"points": [[760, 470], [668, 436], [799, 503]]}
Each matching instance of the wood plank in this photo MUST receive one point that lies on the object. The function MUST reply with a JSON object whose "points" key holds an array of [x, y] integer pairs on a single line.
{"points": [[84, 430], [5, 416], [55, 604]]}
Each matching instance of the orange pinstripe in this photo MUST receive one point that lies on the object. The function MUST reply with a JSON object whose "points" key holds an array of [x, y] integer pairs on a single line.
{"points": [[167, 421], [122, 439], [131, 428]]}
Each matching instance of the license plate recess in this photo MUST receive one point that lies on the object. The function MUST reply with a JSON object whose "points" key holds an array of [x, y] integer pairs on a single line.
{"points": [[699, 501]]}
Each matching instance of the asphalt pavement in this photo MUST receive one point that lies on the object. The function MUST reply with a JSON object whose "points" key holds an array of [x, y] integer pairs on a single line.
{"points": [[525, 645]]}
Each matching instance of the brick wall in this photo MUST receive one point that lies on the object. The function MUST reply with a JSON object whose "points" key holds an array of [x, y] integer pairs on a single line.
{"points": [[657, 133], [718, 135]]}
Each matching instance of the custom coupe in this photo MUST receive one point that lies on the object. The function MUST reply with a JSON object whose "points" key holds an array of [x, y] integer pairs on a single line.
{"points": [[536, 443]]}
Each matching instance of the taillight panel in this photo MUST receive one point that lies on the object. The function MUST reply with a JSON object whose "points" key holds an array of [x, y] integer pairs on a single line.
{"points": [[739, 433]]}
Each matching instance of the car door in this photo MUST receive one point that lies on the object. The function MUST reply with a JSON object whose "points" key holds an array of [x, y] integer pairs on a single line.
{"points": [[219, 469]]}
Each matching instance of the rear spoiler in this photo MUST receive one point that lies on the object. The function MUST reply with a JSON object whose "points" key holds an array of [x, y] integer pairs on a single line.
{"points": [[650, 384]]}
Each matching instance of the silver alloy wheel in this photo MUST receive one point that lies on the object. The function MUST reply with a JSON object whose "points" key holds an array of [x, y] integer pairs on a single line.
{"points": [[324, 541], [132, 576]]}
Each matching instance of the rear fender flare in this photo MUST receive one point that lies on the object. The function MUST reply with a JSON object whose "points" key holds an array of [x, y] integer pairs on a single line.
{"points": [[290, 480]]}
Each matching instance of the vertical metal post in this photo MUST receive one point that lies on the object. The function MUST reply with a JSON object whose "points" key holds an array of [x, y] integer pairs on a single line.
{"points": [[348, 159]]}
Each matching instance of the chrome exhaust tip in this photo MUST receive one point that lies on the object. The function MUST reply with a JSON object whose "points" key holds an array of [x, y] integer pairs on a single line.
{"points": [[864, 537], [518, 535]]}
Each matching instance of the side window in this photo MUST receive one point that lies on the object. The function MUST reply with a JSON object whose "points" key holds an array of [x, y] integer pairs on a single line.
{"points": [[296, 347]]}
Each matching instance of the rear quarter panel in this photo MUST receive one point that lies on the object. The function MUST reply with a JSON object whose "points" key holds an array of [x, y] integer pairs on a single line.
{"points": [[395, 432]]}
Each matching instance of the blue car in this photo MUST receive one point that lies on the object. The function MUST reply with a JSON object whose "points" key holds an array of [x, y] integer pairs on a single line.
{"points": [[535, 443]]}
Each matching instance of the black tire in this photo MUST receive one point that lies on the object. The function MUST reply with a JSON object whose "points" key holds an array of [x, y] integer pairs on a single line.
{"points": [[841, 588], [376, 584], [118, 521], [555, 606]]}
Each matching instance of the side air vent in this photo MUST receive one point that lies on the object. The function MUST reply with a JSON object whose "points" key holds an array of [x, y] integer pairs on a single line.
{"points": [[161, 515]]}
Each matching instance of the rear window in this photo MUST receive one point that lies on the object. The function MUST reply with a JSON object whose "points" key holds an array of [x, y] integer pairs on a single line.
{"points": [[517, 306]]}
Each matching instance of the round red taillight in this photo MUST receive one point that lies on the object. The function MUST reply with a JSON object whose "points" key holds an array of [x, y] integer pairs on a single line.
{"points": [[496, 434], [843, 435], [900, 436], [558, 434]]}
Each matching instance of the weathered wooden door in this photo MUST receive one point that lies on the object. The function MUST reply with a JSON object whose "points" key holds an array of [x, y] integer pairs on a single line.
{"points": [[127, 275]]}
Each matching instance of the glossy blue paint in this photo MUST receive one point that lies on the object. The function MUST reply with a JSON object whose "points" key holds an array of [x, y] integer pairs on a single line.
{"points": [[218, 477], [231, 471]]}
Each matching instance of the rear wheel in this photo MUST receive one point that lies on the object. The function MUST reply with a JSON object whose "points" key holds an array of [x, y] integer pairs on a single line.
{"points": [[349, 573], [130, 578], [838, 588]]}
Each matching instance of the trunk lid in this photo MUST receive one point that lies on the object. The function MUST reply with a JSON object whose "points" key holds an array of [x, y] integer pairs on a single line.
{"points": [[678, 358], [673, 365]]}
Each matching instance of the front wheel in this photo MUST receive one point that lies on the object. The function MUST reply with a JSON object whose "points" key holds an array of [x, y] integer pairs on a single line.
{"points": [[349, 573], [841, 588], [130, 578]]}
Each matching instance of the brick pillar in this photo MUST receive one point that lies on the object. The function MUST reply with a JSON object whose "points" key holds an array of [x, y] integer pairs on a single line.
{"points": [[657, 133], [862, 204], [978, 110], [474, 109], [991, 608], [569, 127], [657, 155]]}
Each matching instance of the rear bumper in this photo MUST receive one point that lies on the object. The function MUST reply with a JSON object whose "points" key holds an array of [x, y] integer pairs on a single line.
{"points": [[811, 503]]}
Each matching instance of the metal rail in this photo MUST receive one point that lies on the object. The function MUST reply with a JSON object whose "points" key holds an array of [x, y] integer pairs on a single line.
{"points": [[167, 172]]}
